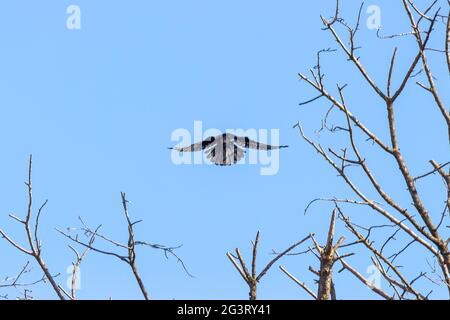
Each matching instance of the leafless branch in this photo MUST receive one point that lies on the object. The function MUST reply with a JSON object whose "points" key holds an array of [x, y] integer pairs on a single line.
{"points": [[251, 277], [34, 243], [130, 257]]}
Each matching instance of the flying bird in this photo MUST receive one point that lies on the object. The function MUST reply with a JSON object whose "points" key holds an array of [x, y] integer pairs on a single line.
{"points": [[226, 149]]}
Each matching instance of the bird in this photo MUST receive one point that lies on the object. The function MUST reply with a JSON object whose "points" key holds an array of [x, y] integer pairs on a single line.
{"points": [[226, 149]]}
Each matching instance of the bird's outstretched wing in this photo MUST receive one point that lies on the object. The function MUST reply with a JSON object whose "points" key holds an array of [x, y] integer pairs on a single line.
{"points": [[202, 145], [225, 154], [246, 142]]}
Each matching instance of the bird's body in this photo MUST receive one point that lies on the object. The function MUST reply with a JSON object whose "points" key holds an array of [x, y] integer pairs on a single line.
{"points": [[226, 149]]}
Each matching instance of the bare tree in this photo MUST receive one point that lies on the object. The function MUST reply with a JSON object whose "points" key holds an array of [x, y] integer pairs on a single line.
{"points": [[327, 260], [130, 248], [34, 249], [34, 244], [253, 278], [415, 225]]}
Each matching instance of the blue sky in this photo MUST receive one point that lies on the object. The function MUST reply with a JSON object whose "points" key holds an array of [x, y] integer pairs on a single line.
{"points": [[96, 107]]}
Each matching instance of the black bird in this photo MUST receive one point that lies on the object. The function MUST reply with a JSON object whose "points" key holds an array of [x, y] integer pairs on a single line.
{"points": [[226, 149]]}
